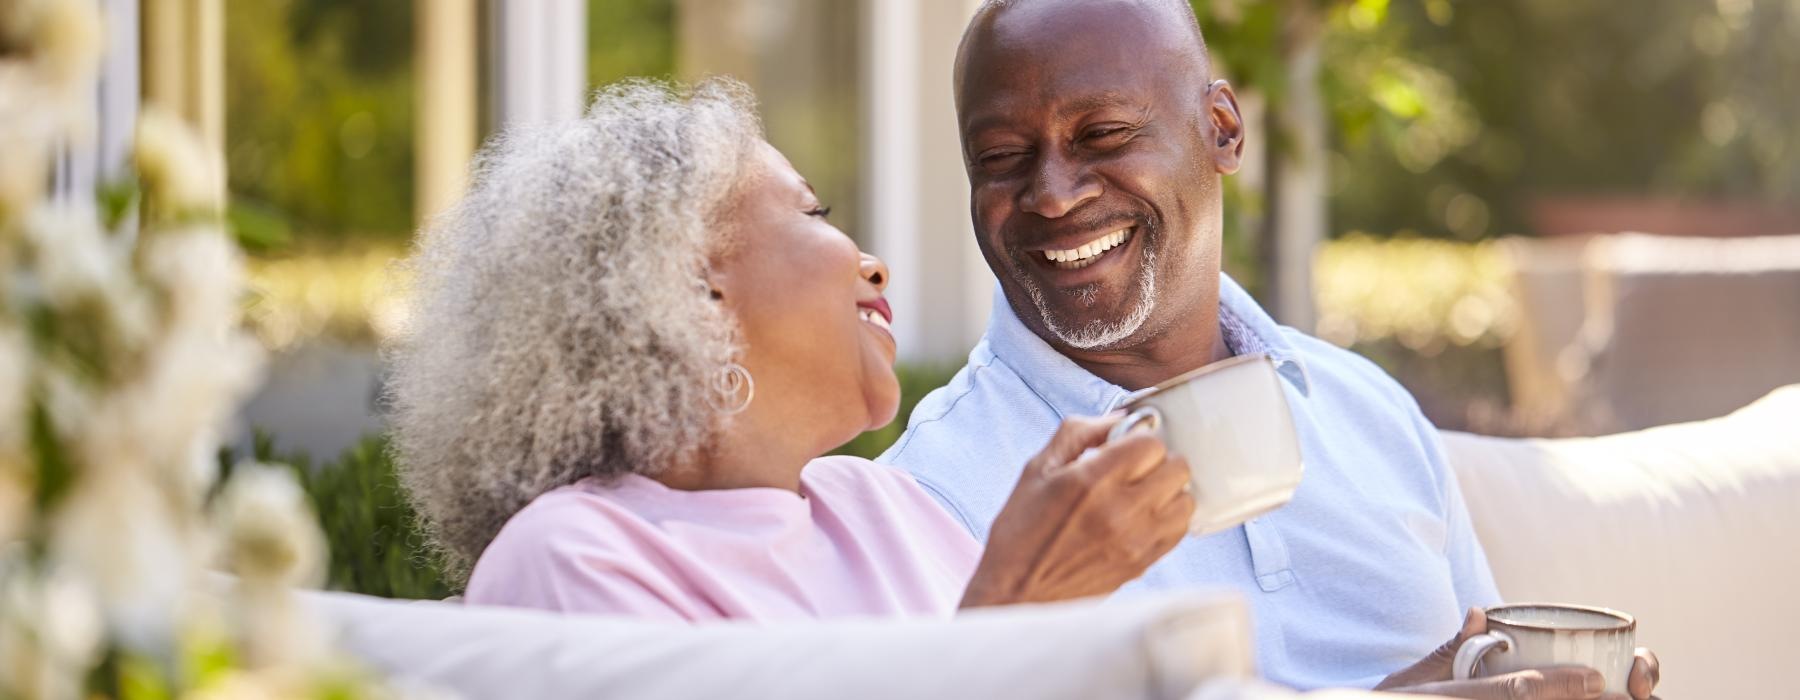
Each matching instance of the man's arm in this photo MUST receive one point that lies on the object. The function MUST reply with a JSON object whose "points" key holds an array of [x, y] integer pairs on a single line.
{"points": [[1469, 570], [1475, 589]]}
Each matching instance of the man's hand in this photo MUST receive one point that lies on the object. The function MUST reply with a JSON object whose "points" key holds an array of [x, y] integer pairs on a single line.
{"points": [[1432, 676], [1082, 523]]}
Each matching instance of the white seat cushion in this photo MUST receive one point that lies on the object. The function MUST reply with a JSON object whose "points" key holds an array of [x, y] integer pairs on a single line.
{"points": [[1689, 527], [1160, 647]]}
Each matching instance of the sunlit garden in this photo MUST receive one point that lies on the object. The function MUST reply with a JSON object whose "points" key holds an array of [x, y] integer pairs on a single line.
{"points": [[1548, 221]]}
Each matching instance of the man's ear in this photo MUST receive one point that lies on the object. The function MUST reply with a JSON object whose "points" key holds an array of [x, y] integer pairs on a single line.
{"points": [[1227, 127]]}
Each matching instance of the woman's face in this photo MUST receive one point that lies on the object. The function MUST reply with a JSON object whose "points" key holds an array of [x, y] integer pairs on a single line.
{"points": [[809, 305]]}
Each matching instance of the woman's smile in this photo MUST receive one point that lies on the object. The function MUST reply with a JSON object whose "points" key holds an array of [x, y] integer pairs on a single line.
{"points": [[876, 312]]}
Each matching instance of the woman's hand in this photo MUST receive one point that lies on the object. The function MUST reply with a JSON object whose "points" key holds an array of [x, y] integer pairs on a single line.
{"points": [[1082, 523]]}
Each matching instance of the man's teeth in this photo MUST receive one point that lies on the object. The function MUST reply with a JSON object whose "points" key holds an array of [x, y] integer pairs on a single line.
{"points": [[1089, 251], [872, 316]]}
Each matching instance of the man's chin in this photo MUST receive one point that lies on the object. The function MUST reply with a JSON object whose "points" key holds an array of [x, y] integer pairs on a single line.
{"points": [[1100, 327]]}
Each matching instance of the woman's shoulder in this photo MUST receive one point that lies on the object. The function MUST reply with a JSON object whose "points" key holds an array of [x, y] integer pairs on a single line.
{"points": [[572, 549], [840, 471], [567, 515], [869, 484]]}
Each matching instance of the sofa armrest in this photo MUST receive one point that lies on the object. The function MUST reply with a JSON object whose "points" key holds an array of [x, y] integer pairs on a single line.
{"points": [[1689, 527], [1157, 647]]}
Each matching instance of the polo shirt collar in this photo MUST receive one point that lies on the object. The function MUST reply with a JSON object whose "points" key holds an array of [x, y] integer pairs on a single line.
{"points": [[1071, 390]]}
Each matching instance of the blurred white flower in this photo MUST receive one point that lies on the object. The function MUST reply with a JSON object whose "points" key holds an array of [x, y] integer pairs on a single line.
{"points": [[118, 530], [202, 273], [272, 542], [274, 631], [73, 257], [26, 137], [15, 469], [180, 174], [61, 38], [69, 618], [269, 528], [46, 88], [144, 363], [50, 631], [15, 498], [169, 417], [239, 685]]}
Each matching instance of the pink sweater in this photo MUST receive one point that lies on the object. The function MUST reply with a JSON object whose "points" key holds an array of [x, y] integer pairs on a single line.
{"points": [[859, 539]]}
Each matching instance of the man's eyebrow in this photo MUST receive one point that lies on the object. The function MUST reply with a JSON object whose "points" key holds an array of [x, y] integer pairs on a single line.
{"points": [[1073, 107], [1089, 103]]}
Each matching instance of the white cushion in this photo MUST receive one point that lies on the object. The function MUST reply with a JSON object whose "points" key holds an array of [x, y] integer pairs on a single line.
{"points": [[1159, 647], [1228, 689], [1689, 527]]}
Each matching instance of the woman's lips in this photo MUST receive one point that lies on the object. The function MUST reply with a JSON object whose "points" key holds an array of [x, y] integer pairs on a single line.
{"points": [[877, 307]]}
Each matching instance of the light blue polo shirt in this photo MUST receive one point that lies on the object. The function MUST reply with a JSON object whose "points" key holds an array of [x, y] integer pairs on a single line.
{"points": [[1369, 567]]}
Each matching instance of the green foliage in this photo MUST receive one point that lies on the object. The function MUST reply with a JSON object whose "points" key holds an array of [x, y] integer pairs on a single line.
{"points": [[628, 38], [1451, 117], [257, 228], [376, 545], [1665, 97], [319, 114]]}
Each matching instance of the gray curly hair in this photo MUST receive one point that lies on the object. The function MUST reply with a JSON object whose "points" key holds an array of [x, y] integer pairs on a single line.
{"points": [[560, 326]]}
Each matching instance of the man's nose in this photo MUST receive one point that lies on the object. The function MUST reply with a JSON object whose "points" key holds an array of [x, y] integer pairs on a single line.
{"points": [[1060, 187]]}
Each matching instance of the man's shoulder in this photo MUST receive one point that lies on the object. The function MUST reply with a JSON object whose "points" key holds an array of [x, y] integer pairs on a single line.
{"points": [[1343, 375], [1365, 404], [966, 442], [954, 413]]}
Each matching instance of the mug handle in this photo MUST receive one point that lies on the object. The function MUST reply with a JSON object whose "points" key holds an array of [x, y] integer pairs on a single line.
{"points": [[1145, 416], [1468, 656]]}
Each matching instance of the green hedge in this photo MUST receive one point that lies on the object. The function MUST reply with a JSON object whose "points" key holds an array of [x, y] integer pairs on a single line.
{"points": [[376, 545]]}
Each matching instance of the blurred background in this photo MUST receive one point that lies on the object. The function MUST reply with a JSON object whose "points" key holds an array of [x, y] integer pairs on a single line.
{"points": [[1544, 217]]}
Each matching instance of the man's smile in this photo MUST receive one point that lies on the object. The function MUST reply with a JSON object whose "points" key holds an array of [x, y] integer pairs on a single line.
{"points": [[1070, 261], [1087, 253]]}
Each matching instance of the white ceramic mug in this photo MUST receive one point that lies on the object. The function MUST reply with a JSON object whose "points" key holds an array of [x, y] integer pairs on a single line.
{"points": [[1534, 635], [1230, 419]]}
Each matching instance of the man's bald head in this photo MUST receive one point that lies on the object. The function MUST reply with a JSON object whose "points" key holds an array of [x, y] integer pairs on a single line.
{"points": [[1174, 20]]}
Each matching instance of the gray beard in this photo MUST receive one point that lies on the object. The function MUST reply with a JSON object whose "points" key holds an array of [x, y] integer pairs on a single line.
{"points": [[1101, 333]]}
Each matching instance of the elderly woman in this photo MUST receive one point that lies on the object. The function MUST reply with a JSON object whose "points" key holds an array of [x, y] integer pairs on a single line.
{"points": [[631, 343]]}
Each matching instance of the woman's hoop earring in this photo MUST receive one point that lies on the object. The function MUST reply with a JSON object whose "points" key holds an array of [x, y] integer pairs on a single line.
{"points": [[731, 382]]}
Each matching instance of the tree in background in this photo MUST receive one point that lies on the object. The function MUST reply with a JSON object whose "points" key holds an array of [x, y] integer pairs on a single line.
{"points": [[319, 115], [1669, 98], [319, 107], [1447, 117], [1321, 71]]}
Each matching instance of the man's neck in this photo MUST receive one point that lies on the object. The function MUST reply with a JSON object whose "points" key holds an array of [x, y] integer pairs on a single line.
{"points": [[1190, 342]]}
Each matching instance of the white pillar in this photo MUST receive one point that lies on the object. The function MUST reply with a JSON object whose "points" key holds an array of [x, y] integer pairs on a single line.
{"points": [[120, 88], [184, 69], [540, 60], [916, 188], [892, 165], [1300, 184], [444, 74], [98, 157]]}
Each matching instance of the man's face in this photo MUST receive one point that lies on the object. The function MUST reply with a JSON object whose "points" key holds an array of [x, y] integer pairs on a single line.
{"points": [[1094, 192]]}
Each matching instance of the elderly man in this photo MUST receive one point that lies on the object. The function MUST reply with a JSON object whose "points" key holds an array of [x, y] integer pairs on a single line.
{"points": [[1095, 140]]}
